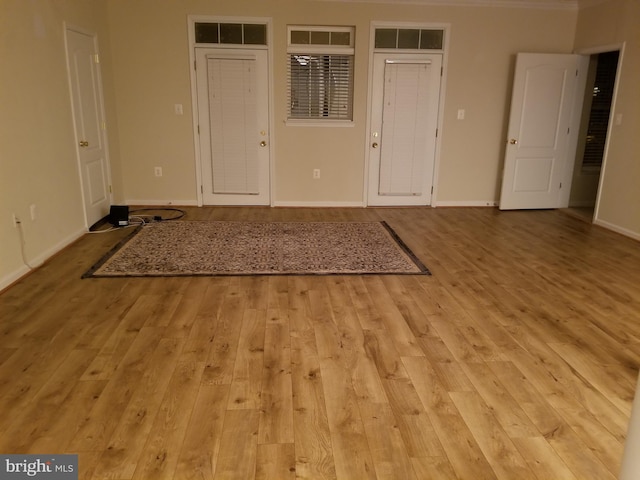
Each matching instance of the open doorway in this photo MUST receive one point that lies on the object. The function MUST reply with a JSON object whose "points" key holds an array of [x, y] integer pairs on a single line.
{"points": [[594, 130]]}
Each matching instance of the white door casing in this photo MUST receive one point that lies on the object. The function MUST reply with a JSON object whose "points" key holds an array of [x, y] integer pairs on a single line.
{"points": [[89, 124], [234, 128], [543, 124], [402, 139]]}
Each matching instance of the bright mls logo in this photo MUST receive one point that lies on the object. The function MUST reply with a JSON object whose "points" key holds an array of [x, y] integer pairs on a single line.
{"points": [[49, 467]]}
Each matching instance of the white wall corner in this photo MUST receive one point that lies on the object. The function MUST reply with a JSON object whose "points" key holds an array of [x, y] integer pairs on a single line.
{"points": [[38, 261]]}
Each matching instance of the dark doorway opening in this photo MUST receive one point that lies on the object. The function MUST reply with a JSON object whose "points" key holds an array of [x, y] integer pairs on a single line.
{"points": [[594, 130]]}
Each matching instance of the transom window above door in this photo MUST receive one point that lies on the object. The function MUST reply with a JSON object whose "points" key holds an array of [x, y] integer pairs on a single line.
{"points": [[231, 33], [409, 39]]}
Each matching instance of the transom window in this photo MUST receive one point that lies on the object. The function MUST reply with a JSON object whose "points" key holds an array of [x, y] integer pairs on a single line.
{"points": [[409, 38], [320, 73], [231, 33]]}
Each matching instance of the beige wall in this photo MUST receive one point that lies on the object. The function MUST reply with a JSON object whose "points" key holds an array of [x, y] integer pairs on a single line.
{"points": [[613, 23], [37, 152], [150, 54], [145, 70]]}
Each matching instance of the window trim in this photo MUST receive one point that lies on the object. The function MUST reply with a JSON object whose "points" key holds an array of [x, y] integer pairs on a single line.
{"points": [[320, 49]]}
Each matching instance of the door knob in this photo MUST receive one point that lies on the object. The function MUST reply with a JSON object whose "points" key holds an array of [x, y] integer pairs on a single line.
{"points": [[513, 141], [375, 145], [263, 143], [84, 144]]}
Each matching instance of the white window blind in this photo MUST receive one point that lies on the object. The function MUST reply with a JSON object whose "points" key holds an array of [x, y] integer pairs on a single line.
{"points": [[320, 73], [232, 111], [405, 122], [320, 86]]}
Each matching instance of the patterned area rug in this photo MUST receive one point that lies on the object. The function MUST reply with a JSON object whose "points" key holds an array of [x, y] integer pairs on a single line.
{"points": [[188, 248]]}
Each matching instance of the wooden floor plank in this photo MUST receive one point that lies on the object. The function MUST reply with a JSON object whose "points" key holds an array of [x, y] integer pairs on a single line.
{"points": [[387, 447], [159, 458], [198, 453], [504, 458], [464, 453], [276, 461], [97, 427], [126, 444], [276, 399], [511, 417], [351, 452], [246, 385], [313, 447], [238, 446], [516, 358]]}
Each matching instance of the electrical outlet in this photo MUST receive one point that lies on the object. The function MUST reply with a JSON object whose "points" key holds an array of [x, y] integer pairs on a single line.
{"points": [[316, 173], [158, 171]]}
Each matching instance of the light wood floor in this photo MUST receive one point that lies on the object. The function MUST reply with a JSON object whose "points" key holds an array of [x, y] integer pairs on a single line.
{"points": [[517, 359]]}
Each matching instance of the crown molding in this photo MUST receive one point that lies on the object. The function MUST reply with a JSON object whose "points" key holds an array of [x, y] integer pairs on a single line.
{"points": [[538, 4]]}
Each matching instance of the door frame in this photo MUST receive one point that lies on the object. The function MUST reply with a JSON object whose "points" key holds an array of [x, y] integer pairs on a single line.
{"points": [[191, 21], [446, 28], [94, 36], [620, 47]]}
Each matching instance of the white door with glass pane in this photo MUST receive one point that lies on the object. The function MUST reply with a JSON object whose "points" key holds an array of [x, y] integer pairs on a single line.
{"points": [[402, 139], [233, 124]]}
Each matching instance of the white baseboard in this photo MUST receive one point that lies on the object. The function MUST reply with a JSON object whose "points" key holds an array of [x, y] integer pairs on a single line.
{"points": [[40, 259], [582, 204], [13, 277], [615, 228], [467, 203], [319, 204]]}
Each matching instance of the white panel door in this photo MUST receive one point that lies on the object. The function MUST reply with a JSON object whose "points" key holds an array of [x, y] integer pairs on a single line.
{"points": [[233, 114], [404, 116], [86, 99], [540, 122]]}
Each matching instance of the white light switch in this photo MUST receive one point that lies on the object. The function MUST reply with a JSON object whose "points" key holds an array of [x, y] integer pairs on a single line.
{"points": [[178, 109], [618, 119], [461, 114]]}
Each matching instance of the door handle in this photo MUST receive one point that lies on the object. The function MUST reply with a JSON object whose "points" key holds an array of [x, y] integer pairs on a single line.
{"points": [[513, 141], [84, 143], [375, 145], [263, 143]]}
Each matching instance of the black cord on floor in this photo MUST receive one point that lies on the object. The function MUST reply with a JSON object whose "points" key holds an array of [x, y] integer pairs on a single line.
{"points": [[160, 218], [137, 220]]}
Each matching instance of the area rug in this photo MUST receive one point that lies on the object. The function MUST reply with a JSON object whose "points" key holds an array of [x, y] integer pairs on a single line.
{"points": [[190, 248]]}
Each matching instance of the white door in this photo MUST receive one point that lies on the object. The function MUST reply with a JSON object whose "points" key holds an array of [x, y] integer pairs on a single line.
{"points": [[233, 116], [543, 115], [404, 118], [88, 119]]}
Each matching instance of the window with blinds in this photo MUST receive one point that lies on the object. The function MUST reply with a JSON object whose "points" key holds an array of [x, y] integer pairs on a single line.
{"points": [[320, 73], [603, 89]]}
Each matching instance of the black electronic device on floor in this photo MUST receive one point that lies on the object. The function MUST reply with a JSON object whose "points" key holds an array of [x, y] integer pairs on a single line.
{"points": [[119, 215]]}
